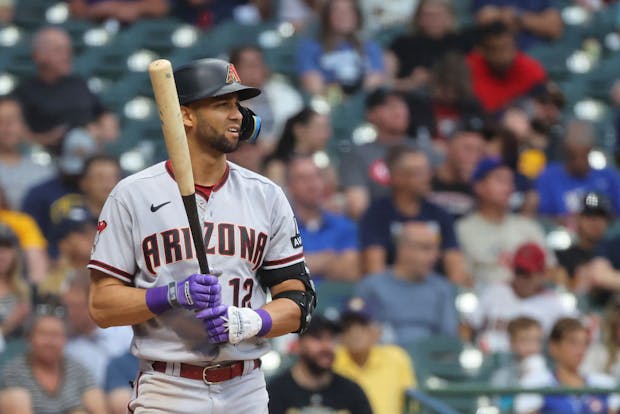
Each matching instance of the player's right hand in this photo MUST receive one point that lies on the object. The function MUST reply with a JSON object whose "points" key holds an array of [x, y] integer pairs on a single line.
{"points": [[199, 291]]}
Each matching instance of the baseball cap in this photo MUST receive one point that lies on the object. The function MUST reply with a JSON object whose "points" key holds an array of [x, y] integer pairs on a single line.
{"points": [[596, 204], [529, 258], [77, 220], [7, 236], [379, 96], [319, 324], [486, 166], [356, 310], [207, 78], [77, 146]]}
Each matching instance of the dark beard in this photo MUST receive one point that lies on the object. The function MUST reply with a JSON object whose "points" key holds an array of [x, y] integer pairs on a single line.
{"points": [[221, 144], [314, 368]]}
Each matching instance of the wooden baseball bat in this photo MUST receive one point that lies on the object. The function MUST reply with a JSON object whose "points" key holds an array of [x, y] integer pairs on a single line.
{"points": [[164, 88]]}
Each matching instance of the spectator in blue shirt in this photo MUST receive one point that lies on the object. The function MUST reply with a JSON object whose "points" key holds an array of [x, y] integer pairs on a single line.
{"points": [[533, 20], [410, 299], [119, 376], [410, 177], [338, 58], [561, 186], [329, 240]]}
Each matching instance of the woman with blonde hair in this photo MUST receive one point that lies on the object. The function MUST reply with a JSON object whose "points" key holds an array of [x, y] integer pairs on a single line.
{"points": [[14, 291], [604, 355]]}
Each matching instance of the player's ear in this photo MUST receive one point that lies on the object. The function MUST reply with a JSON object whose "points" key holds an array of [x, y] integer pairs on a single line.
{"points": [[189, 116]]}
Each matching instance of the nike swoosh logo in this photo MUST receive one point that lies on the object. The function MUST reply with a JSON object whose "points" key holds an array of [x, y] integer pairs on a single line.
{"points": [[155, 208]]}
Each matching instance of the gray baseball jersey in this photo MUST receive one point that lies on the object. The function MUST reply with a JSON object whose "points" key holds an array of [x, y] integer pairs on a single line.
{"points": [[144, 240]]}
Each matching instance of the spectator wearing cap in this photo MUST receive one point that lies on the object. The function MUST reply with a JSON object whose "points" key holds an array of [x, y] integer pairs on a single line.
{"points": [[410, 174], [363, 173], [490, 235], [75, 234], [534, 21], [525, 294], [14, 291], [31, 240], [19, 171], [592, 223], [44, 380], [562, 185], [451, 186], [339, 61], [409, 298], [500, 73], [311, 385], [384, 372], [88, 344], [55, 100], [330, 241]]}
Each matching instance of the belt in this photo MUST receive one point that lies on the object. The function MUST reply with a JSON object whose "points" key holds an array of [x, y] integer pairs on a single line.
{"points": [[210, 374]]}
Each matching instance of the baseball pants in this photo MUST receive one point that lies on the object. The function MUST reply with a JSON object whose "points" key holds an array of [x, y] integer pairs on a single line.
{"points": [[158, 393]]}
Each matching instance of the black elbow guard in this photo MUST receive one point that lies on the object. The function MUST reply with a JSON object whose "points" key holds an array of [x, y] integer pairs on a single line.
{"points": [[306, 300]]}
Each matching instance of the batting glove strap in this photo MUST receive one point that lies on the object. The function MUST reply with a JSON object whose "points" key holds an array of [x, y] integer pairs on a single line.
{"points": [[196, 292]]}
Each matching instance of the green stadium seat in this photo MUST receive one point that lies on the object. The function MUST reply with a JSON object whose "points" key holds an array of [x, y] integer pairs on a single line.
{"points": [[13, 348], [333, 295]]}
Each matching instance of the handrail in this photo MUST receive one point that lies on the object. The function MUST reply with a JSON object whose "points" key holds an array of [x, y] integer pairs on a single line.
{"points": [[483, 389], [429, 402]]}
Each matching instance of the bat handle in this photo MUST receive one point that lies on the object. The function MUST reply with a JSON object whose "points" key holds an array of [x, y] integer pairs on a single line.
{"points": [[189, 201]]}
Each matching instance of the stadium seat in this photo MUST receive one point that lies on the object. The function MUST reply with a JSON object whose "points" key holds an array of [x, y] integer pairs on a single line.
{"points": [[13, 348], [332, 295]]}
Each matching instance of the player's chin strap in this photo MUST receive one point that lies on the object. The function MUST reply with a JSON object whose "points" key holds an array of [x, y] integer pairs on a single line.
{"points": [[306, 300], [250, 124]]}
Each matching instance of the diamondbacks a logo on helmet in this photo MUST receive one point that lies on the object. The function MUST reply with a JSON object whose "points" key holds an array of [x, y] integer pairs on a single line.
{"points": [[232, 76]]}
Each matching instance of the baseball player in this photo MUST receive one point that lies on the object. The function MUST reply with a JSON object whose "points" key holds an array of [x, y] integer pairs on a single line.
{"points": [[199, 337]]}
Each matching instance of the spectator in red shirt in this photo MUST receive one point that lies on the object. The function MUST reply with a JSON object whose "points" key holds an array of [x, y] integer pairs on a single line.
{"points": [[500, 73]]}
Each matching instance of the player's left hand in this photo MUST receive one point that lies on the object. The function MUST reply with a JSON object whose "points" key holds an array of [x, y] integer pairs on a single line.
{"points": [[232, 324]]}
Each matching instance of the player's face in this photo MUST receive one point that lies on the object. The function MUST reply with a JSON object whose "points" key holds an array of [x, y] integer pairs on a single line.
{"points": [[218, 123], [47, 340], [317, 351]]}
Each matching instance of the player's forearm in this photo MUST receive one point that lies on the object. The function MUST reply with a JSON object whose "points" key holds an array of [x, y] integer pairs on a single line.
{"points": [[114, 304], [285, 316]]}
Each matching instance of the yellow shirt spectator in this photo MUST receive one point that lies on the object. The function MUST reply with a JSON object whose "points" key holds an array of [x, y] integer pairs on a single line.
{"points": [[386, 375], [25, 228]]}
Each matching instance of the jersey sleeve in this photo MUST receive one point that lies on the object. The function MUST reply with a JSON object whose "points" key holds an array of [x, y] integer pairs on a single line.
{"points": [[285, 255], [113, 251]]}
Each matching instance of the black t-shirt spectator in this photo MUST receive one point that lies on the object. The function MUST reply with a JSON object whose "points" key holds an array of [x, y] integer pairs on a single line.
{"points": [[381, 224], [67, 101], [457, 199], [340, 396], [421, 51]]}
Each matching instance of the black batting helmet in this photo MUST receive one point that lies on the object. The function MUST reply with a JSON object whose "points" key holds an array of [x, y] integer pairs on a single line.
{"points": [[206, 78]]}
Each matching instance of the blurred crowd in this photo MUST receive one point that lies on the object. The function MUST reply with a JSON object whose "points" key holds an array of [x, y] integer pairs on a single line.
{"points": [[471, 207]]}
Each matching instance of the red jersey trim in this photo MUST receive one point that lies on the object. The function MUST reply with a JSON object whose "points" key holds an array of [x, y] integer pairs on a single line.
{"points": [[283, 261], [203, 190], [112, 269]]}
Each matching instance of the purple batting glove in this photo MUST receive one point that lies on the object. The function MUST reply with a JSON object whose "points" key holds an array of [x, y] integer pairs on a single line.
{"points": [[214, 323], [198, 291]]}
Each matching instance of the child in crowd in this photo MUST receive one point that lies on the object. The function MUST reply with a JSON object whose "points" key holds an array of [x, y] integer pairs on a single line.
{"points": [[568, 343], [526, 344]]}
